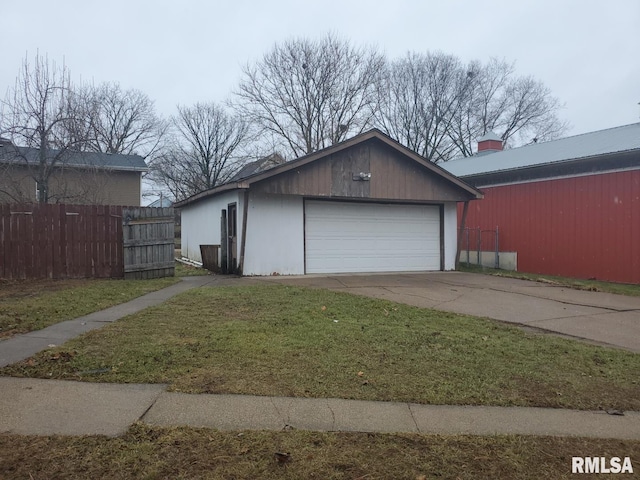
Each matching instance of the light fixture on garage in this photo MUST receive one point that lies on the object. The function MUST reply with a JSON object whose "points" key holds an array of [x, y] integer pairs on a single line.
{"points": [[362, 177]]}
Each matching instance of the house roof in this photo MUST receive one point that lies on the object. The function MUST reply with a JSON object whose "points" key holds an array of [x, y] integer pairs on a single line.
{"points": [[163, 202], [258, 166], [260, 175], [12, 154], [587, 145]]}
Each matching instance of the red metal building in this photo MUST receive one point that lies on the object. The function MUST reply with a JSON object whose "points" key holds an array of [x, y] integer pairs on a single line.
{"points": [[568, 207]]}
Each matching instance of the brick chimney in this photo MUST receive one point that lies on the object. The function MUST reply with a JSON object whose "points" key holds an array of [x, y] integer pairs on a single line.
{"points": [[489, 143]]}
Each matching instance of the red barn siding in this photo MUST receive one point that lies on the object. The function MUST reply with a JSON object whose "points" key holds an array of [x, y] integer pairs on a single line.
{"points": [[582, 227]]}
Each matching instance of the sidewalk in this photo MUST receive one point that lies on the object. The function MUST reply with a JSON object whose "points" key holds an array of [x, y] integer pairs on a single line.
{"points": [[47, 407], [24, 346]]}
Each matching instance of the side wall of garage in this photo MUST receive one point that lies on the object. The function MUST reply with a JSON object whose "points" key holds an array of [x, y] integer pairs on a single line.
{"points": [[275, 235], [450, 235], [201, 223]]}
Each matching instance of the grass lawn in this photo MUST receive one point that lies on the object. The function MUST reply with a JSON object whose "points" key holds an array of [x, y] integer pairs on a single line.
{"points": [[28, 305], [184, 270], [578, 284], [158, 453], [287, 341]]}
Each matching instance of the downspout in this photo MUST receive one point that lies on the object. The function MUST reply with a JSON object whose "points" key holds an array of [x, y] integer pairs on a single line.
{"points": [[245, 212], [463, 222]]}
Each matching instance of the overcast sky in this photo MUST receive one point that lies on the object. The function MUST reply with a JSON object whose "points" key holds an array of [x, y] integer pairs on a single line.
{"points": [[180, 52]]}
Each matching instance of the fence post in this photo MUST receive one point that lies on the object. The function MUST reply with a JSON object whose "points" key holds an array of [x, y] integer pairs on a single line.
{"points": [[468, 248]]}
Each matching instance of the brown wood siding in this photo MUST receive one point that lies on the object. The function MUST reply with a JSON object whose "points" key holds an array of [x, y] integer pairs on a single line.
{"points": [[84, 241], [73, 186], [394, 176], [343, 168], [60, 241]]}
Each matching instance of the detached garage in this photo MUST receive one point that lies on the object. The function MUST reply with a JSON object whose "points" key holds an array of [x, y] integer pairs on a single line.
{"points": [[365, 205]]}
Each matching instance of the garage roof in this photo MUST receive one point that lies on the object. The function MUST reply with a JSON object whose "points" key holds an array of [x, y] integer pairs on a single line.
{"points": [[602, 142], [261, 175]]}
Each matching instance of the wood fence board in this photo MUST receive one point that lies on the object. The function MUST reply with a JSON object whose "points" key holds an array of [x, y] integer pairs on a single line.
{"points": [[56, 243], [44, 234], [5, 226], [148, 242], [75, 241], [20, 230], [35, 237], [3, 229], [98, 232]]}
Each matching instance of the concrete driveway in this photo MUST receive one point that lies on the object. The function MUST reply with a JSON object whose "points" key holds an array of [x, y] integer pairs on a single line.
{"points": [[602, 318]]}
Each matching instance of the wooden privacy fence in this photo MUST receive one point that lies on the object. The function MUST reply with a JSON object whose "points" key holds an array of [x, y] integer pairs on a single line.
{"points": [[84, 241], [149, 242]]}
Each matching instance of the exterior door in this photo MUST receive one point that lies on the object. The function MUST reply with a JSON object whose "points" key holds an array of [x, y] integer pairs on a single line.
{"points": [[232, 237]]}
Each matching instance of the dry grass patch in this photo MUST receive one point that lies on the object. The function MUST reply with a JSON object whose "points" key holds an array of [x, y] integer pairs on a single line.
{"points": [[159, 453], [286, 341]]}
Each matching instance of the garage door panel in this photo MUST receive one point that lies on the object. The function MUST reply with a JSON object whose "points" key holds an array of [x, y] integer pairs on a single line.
{"points": [[364, 237]]}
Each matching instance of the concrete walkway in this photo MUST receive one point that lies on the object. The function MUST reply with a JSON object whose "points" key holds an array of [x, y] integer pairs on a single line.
{"points": [[24, 346], [46, 407]]}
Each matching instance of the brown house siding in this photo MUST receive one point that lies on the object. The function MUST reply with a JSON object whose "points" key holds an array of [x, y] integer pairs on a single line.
{"points": [[73, 186]]}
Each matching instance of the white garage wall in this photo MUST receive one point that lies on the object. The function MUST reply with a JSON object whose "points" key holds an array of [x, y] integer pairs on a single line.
{"points": [[275, 232], [275, 235], [201, 223], [450, 235]]}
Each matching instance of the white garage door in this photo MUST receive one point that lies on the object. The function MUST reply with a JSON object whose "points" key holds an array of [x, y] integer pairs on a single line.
{"points": [[368, 237]]}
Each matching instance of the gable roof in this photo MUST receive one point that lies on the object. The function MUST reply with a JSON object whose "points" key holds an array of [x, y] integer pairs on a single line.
{"points": [[162, 202], [258, 176], [259, 165], [587, 145], [18, 155]]}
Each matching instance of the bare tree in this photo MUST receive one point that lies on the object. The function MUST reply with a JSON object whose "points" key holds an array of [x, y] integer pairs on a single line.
{"points": [[418, 97], [203, 152], [310, 94], [518, 109], [439, 107], [37, 113], [121, 121]]}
